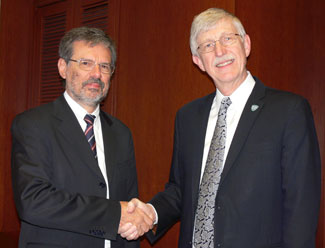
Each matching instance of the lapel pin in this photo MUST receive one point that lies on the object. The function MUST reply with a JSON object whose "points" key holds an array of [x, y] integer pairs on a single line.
{"points": [[254, 107]]}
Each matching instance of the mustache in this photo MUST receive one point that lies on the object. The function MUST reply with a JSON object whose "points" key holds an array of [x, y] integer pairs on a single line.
{"points": [[224, 58], [94, 80]]}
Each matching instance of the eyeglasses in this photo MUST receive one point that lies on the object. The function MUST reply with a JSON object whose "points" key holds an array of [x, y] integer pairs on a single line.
{"points": [[88, 65], [225, 40]]}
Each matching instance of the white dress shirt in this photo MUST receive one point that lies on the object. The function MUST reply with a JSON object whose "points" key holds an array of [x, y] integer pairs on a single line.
{"points": [[238, 98], [80, 113]]}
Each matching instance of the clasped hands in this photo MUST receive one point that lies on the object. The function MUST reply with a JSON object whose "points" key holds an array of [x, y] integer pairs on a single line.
{"points": [[137, 218]]}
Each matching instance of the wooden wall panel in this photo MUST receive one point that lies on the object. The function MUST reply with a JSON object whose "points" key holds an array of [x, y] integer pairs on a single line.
{"points": [[288, 53], [14, 65], [156, 77]]}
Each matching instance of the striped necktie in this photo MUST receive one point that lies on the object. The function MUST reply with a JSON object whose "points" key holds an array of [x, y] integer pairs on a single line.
{"points": [[89, 132]]}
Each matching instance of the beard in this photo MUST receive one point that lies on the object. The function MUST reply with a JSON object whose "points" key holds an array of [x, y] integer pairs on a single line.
{"points": [[92, 96]]}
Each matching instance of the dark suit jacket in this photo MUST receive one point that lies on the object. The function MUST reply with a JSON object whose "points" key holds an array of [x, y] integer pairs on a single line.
{"points": [[59, 191], [269, 194]]}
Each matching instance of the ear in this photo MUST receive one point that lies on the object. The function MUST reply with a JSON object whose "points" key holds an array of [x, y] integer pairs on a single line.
{"points": [[197, 60], [62, 66], [247, 45]]}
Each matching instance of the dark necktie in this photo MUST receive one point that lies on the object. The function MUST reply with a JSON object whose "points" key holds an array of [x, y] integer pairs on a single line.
{"points": [[89, 132], [204, 218]]}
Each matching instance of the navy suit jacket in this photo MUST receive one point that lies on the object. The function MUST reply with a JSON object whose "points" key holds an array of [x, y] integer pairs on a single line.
{"points": [[59, 190], [269, 194]]}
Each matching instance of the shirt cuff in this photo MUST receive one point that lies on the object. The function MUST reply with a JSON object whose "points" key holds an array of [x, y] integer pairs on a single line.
{"points": [[156, 219]]}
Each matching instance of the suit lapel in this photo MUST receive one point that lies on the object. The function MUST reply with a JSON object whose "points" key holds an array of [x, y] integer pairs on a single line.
{"points": [[110, 147], [71, 137], [247, 119], [202, 118]]}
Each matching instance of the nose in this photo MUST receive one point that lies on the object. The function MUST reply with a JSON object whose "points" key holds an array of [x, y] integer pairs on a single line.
{"points": [[95, 72], [219, 49]]}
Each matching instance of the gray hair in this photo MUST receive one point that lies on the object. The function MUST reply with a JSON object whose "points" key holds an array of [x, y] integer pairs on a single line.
{"points": [[93, 36], [208, 20]]}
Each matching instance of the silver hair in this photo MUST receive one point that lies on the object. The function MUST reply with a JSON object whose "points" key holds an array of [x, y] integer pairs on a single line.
{"points": [[207, 20], [93, 36]]}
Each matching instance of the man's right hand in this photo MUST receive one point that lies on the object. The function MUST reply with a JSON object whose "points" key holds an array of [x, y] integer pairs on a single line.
{"points": [[136, 219]]}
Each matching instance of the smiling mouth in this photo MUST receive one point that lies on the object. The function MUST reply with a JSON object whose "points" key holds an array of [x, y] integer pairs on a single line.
{"points": [[225, 63]]}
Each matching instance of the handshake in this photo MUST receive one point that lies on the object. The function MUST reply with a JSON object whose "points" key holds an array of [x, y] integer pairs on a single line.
{"points": [[137, 218]]}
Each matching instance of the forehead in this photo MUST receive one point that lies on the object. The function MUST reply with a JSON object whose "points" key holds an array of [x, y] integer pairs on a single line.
{"points": [[224, 26], [82, 49]]}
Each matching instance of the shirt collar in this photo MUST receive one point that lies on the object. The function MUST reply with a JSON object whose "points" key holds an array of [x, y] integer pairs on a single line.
{"points": [[77, 109], [241, 94]]}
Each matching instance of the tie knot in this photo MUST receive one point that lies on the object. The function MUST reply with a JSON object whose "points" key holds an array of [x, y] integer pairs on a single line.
{"points": [[226, 102], [89, 119]]}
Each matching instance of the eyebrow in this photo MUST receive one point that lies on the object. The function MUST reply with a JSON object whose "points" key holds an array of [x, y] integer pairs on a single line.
{"points": [[95, 61]]}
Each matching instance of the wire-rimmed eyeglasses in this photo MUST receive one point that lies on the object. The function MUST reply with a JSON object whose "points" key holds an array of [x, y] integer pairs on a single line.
{"points": [[224, 40], [88, 65]]}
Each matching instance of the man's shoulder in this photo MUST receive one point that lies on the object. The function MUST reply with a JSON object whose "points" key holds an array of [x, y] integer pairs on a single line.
{"points": [[283, 98], [37, 118], [198, 104], [276, 97], [38, 113], [273, 92]]}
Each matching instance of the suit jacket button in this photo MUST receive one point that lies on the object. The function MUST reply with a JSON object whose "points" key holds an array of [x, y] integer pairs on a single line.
{"points": [[102, 185]]}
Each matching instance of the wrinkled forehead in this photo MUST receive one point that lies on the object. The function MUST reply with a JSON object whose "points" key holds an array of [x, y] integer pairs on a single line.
{"points": [[218, 28], [84, 45], [223, 23], [84, 49]]}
